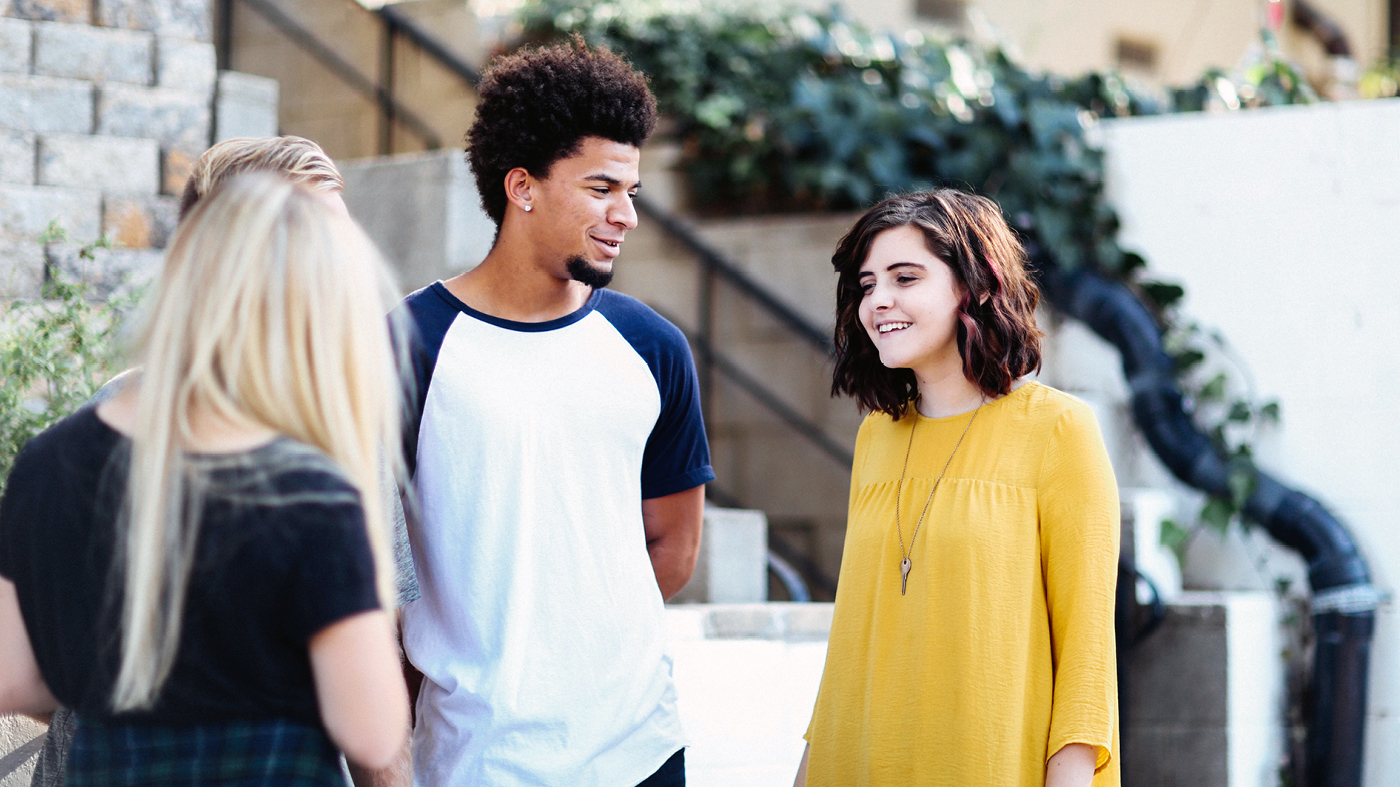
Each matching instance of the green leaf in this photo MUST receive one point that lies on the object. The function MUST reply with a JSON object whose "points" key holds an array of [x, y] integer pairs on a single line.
{"points": [[1187, 359], [1242, 479], [781, 110], [1174, 537], [1162, 294], [1217, 514], [1214, 390]]}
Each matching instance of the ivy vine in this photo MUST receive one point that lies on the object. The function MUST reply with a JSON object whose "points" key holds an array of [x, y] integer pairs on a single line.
{"points": [[783, 110]]}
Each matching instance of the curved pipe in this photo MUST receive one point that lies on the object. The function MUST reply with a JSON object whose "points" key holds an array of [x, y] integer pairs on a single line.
{"points": [[1322, 27], [790, 577], [1343, 600]]}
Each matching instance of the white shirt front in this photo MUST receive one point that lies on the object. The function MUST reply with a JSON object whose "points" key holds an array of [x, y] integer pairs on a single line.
{"points": [[540, 631]]}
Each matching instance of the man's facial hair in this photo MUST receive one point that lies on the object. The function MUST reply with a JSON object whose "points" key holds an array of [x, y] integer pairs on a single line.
{"points": [[581, 271]]}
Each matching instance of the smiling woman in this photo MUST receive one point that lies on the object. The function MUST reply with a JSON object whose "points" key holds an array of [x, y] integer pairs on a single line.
{"points": [[972, 640], [960, 246]]}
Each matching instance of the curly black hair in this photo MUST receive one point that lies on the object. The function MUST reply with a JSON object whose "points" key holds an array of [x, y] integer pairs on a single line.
{"points": [[538, 104]]}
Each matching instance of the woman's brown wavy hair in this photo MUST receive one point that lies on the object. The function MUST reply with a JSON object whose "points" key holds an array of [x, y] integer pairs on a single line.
{"points": [[997, 335]]}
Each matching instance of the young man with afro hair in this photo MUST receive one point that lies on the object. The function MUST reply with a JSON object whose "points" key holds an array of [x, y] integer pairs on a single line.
{"points": [[557, 452]]}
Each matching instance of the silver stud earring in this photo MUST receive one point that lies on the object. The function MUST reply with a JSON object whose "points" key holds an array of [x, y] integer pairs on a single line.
{"points": [[527, 208]]}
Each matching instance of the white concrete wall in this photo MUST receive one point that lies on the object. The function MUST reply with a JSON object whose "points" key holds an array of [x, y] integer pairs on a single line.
{"points": [[746, 680], [1281, 226]]}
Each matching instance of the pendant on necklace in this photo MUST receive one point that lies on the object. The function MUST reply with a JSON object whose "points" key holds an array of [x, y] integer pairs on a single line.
{"points": [[904, 571]]}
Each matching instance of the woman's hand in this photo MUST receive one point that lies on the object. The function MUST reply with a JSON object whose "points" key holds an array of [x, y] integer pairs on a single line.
{"points": [[360, 688], [1072, 766]]}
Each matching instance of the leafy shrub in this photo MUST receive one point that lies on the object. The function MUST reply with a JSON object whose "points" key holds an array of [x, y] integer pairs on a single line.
{"points": [[55, 352], [788, 110]]}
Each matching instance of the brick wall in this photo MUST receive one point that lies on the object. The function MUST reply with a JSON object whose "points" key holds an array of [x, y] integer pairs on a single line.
{"points": [[104, 105]]}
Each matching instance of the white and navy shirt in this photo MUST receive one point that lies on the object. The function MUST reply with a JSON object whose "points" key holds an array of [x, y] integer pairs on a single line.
{"points": [[540, 631]]}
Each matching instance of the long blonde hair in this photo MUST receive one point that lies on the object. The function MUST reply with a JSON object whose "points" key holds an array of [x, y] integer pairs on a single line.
{"points": [[269, 311]]}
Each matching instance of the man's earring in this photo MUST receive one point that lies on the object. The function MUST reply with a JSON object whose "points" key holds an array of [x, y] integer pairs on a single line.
{"points": [[527, 208]]}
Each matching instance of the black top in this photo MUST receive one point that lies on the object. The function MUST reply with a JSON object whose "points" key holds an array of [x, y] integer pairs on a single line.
{"points": [[282, 553]]}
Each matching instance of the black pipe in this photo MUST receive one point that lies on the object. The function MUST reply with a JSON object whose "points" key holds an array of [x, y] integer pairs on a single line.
{"points": [[1394, 39], [1343, 600], [223, 50], [1322, 27]]}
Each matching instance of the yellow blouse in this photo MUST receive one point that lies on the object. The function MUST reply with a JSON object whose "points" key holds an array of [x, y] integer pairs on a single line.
{"points": [[1002, 651]]}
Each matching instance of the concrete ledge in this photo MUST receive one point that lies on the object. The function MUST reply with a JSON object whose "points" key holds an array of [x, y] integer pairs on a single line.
{"points": [[423, 211], [780, 621], [732, 567], [1208, 682], [746, 680]]}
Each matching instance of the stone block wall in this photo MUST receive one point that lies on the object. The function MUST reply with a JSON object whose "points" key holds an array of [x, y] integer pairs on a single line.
{"points": [[104, 105]]}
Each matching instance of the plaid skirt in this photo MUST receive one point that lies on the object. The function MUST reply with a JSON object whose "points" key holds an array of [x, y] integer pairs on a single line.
{"points": [[272, 753]]}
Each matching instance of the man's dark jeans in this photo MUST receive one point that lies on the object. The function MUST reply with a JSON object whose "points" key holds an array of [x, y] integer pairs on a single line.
{"points": [[670, 774]]}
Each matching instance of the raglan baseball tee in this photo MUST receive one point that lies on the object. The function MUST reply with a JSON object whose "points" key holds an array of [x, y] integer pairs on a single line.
{"points": [[540, 630]]}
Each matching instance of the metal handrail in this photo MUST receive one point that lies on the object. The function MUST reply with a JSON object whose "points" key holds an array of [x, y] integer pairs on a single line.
{"points": [[348, 73], [711, 260], [672, 225], [400, 22], [798, 422], [732, 273]]}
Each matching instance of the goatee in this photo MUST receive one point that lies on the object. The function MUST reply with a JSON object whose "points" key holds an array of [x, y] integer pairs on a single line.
{"points": [[581, 271]]}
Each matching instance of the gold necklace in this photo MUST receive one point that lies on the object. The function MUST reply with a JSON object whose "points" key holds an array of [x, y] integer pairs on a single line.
{"points": [[905, 565]]}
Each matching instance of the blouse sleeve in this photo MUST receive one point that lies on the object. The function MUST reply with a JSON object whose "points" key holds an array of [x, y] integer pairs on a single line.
{"points": [[1079, 532], [332, 574]]}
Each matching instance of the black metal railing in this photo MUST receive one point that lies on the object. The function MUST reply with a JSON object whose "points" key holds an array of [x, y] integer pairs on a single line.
{"points": [[379, 91], [715, 266], [1344, 623]]}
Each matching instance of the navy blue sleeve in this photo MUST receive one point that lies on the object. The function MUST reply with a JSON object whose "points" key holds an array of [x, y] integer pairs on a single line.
{"points": [[422, 319], [677, 455]]}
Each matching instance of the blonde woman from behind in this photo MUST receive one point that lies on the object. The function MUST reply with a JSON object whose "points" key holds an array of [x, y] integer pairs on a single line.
{"points": [[198, 567]]}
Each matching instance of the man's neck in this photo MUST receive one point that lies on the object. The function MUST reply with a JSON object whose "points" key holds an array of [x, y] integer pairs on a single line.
{"points": [[513, 287]]}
